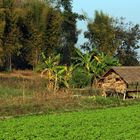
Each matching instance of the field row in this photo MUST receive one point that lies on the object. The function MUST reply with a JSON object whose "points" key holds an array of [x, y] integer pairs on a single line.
{"points": [[122, 123]]}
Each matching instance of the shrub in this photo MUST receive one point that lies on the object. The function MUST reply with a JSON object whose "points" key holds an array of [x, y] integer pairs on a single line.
{"points": [[80, 78]]}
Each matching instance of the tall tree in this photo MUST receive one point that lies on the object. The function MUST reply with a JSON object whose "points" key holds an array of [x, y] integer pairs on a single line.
{"points": [[129, 36], [52, 33], [2, 25], [10, 34], [44, 26], [69, 30], [36, 24], [101, 33]]}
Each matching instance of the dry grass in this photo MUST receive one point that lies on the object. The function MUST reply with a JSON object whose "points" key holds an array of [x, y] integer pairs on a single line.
{"points": [[38, 98], [24, 92], [20, 96], [20, 73], [38, 103], [60, 101]]}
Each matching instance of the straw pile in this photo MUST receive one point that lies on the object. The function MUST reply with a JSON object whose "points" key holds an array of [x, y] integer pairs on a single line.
{"points": [[113, 84]]}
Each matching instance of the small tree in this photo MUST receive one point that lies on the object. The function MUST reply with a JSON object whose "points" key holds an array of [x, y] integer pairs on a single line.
{"points": [[56, 74]]}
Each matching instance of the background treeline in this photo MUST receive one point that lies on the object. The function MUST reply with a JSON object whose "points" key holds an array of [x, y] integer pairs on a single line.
{"points": [[29, 28]]}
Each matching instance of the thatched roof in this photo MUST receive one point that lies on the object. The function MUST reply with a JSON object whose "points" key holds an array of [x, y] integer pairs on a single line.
{"points": [[130, 74]]}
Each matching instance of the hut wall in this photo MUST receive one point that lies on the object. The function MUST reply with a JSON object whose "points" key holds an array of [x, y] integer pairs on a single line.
{"points": [[134, 89], [113, 82], [134, 86]]}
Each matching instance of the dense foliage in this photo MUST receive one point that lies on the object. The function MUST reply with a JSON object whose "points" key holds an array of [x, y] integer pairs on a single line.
{"points": [[28, 28]]}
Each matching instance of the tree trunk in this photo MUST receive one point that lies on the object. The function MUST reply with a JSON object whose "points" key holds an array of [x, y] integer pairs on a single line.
{"points": [[10, 62], [36, 57], [55, 83]]}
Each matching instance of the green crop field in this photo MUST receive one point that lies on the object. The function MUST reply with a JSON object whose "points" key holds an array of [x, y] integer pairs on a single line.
{"points": [[122, 123]]}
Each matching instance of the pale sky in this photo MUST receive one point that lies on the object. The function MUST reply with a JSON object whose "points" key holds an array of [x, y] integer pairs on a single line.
{"points": [[130, 9], [116, 8]]}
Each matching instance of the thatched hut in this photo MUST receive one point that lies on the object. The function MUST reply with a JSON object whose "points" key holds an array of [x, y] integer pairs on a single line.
{"points": [[121, 81]]}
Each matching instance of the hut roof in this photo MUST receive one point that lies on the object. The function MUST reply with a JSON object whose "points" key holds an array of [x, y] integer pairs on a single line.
{"points": [[130, 74]]}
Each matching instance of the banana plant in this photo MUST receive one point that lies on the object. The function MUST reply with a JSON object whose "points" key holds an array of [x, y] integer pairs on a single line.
{"points": [[83, 60], [95, 63], [57, 73], [68, 74], [101, 64], [51, 66]]}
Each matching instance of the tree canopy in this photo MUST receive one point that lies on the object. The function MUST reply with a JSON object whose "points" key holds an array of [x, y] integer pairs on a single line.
{"points": [[114, 37], [30, 28]]}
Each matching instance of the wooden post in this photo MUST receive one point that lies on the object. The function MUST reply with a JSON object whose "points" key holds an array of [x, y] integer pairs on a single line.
{"points": [[23, 90], [104, 93], [137, 90], [124, 95]]}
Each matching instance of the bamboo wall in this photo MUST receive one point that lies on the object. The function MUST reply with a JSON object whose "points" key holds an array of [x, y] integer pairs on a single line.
{"points": [[113, 83]]}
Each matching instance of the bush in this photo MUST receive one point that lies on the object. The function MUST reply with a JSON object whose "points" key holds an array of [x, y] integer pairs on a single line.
{"points": [[80, 78]]}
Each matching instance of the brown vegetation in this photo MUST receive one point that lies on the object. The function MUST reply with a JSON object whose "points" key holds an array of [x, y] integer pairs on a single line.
{"points": [[20, 96], [113, 83]]}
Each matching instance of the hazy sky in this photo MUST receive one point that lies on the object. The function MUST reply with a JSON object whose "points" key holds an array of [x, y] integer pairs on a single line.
{"points": [[116, 8], [130, 9]]}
